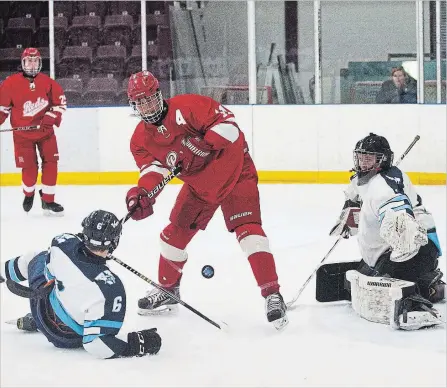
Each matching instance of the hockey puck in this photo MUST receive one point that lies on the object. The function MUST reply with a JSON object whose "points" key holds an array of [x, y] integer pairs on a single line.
{"points": [[207, 271]]}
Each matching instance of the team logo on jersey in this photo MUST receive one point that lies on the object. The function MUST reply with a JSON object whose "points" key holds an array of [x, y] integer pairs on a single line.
{"points": [[30, 109], [392, 178], [171, 159], [106, 277], [161, 129]]}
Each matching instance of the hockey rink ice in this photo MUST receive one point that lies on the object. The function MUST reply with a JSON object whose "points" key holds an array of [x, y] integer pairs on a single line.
{"points": [[324, 345]]}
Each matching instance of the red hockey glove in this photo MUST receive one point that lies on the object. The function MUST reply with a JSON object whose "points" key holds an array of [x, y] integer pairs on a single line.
{"points": [[195, 153], [139, 203], [348, 222], [51, 118]]}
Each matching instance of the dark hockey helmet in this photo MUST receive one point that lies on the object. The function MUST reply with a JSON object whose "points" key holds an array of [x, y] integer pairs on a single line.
{"points": [[372, 154], [101, 231]]}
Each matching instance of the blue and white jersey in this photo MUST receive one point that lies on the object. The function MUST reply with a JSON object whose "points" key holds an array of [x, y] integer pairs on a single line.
{"points": [[390, 190], [87, 296]]}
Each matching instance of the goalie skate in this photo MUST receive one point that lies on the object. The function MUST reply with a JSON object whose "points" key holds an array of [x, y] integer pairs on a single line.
{"points": [[157, 302], [275, 309]]}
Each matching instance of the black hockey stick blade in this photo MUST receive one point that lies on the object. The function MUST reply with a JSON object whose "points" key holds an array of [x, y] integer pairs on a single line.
{"points": [[26, 292], [330, 283]]}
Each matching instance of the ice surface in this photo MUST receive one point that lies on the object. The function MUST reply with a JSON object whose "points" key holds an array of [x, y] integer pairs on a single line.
{"points": [[324, 345]]}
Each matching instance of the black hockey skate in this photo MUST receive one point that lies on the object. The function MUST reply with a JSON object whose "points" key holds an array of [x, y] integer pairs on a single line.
{"points": [[275, 308], [27, 323], [28, 203], [157, 302], [51, 208]]}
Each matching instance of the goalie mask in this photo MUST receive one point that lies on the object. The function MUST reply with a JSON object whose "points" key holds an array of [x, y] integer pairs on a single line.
{"points": [[101, 231], [31, 62], [371, 155], [145, 97]]}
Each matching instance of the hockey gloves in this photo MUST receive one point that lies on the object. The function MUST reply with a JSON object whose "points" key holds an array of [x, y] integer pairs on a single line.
{"points": [[348, 222], [143, 342], [139, 204], [194, 155], [50, 119]]}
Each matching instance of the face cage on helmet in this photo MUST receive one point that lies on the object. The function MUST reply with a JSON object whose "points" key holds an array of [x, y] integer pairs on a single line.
{"points": [[380, 157], [31, 72], [148, 109]]}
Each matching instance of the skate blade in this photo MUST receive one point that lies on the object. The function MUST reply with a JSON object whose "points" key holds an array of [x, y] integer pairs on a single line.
{"points": [[163, 310], [281, 323], [49, 213]]}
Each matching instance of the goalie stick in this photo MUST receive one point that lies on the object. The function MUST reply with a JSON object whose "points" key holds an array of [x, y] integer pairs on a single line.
{"points": [[328, 276]]}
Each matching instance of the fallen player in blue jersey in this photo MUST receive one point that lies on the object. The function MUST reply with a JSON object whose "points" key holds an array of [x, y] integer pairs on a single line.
{"points": [[76, 300]]}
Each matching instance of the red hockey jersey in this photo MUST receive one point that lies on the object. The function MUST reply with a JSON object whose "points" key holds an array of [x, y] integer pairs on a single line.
{"points": [[27, 102], [156, 149]]}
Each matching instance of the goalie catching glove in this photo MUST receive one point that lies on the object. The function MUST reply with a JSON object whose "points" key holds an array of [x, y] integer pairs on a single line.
{"points": [[347, 224], [403, 233]]}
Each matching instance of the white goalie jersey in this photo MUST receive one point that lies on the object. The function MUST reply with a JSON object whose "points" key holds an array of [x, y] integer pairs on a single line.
{"points": [[391, 218]]}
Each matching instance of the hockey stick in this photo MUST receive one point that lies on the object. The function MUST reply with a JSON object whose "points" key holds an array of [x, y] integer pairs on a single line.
{"points": [[174, 172], [295, 298], [415, 140], [29, 128], [171, 295]]}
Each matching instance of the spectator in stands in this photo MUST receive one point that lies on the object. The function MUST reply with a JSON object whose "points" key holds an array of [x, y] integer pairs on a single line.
{"points": [[400, 89]]}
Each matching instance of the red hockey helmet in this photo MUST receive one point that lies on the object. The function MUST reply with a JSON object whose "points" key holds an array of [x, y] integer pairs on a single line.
{"points": [[31, 61], [145, 96]]}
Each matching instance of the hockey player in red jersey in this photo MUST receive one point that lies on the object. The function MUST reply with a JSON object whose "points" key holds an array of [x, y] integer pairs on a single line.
{"points": [[34, 99], [202, 137]]}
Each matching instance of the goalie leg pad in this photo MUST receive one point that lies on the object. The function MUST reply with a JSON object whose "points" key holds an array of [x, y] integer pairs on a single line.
{"points": [[390, 301]]}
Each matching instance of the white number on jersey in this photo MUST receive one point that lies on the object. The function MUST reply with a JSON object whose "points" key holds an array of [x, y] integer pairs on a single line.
{"points": [[63, 100], [179, 118], [117, 304]]}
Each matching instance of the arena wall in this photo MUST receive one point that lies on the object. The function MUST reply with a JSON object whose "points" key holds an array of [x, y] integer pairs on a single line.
{"points": [[289, 143]]}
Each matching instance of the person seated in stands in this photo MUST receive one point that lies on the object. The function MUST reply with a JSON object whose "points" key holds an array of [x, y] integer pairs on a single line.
{"points": [[400, 89]]}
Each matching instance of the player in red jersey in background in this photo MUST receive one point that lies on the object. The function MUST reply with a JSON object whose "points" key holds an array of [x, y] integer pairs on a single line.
{"points": [[203, 137], [34, 99]]}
